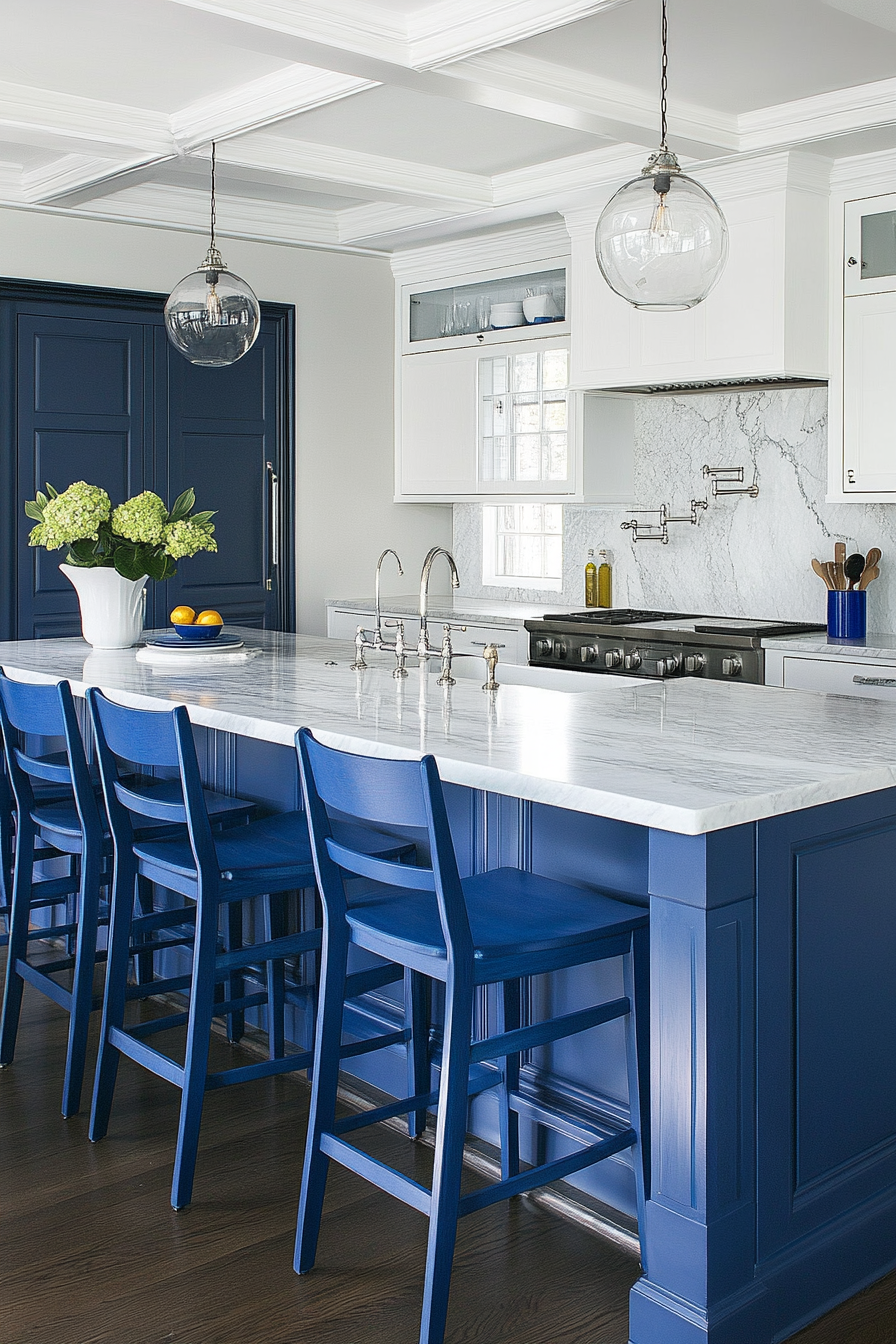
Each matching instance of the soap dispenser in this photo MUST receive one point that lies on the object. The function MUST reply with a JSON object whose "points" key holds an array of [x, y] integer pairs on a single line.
{"points": [[605, 580], [591, 581]]}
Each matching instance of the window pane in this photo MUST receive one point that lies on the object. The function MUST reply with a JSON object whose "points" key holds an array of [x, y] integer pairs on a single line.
{"points": [[555, 457], [526, 414], [499, 374], [525, 372], [499, 415], [500, 460], [553, 558], [555, 415], [555, 369], [527, 454], [530, 553], [553, 517]]}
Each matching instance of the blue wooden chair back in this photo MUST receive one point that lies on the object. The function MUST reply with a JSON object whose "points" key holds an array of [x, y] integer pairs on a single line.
{"points": [[404, 794], [29, 710], [150, 738]]}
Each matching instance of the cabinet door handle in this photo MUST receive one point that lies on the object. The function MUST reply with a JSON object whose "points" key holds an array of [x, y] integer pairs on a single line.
{"points": [[274, 514], [851, 261], [874, 681], [851, 477]]}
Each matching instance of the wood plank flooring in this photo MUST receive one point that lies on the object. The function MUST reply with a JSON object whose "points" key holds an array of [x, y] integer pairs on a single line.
{"points": [[92, 1253]]}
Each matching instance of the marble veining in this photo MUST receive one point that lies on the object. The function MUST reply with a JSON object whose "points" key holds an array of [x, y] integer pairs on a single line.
{"points": [[747, 557], [686, 756], [460, 608]]}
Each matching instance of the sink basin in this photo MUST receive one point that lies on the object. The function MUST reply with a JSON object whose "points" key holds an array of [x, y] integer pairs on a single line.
{"points": [[514, 674]]}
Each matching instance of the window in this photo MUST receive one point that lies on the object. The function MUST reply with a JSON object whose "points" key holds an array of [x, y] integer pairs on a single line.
{"points": [[524, 416], [522, 545]]}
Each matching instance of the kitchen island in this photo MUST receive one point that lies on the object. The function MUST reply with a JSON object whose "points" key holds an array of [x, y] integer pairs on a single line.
{"points": [[760, 827]]}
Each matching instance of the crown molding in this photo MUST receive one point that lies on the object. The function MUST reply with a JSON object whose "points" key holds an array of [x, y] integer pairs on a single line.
{"points": [[10, 182], [822, 117], [76, 173], [285, 93], [351, 25], [749, 175], [353, 172], [615, 109], [597, 168], [376, 218], [45, 117], [871, 173], [536, 243]]}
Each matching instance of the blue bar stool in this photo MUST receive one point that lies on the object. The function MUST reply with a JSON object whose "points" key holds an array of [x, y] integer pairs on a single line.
{"points": [[494, 928], [58, 816], [216, 874]]}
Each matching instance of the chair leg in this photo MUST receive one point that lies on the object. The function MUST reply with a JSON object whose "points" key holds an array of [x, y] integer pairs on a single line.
{"points": [[416, 1016], [82, 985], [114, 999], [275, 927], [144, 959], [322, 1115], [509, 1121], [235, 982], [18, 940], [202, 994], [451, 1131], [637, 1045]]}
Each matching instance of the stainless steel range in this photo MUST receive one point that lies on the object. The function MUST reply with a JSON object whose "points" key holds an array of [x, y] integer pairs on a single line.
{"points": [[655, 643]]}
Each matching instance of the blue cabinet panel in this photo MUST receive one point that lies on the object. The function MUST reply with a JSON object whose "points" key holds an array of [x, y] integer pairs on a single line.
{"points": [[76, 373]]}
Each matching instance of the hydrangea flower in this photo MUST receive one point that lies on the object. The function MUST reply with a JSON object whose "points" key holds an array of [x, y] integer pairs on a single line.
{"points": [[141, 519], [75, 515], [186, 537]]}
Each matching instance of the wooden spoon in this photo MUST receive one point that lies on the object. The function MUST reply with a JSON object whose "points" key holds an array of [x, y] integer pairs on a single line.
{"points": [[821, 571], [854, 568], [868, 576], [872, 558], [839, 552]]}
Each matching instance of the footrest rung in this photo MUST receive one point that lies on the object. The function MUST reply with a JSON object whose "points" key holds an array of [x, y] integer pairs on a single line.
{"points": [[403, 1107], [402, 1187], [547, 1172]]}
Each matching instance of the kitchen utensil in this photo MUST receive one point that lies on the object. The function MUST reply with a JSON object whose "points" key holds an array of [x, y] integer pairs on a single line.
{"points": [[839, 552], [839, 576], [868, 576], [853, 568], [821, 571], [873, 557]]}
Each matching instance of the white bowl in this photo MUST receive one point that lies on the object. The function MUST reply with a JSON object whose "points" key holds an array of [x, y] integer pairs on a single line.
{"points": [[510, 320], [539, 305]]}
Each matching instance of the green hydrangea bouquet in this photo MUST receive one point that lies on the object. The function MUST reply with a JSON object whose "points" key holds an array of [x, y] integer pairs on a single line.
{"points": [[140, 537]]}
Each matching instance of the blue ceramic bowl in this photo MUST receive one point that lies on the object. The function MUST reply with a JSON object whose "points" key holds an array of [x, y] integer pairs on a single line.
{"points": [[198, 633]]}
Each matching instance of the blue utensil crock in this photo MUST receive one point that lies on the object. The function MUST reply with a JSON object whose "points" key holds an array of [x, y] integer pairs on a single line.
{"points": [[846, 615]]}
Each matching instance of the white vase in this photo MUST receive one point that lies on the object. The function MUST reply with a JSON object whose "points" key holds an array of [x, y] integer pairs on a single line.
{"points": [[111, 607]]}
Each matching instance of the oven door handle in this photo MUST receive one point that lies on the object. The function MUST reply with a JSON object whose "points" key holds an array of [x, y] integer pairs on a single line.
{"points": [[874, 681]]}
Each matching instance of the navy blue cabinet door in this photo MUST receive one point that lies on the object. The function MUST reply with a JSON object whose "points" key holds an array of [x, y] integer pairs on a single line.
{"points": [[93, 391], [82, 416]]}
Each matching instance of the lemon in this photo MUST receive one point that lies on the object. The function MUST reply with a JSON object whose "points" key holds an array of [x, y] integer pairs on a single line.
{"points": [[209, 618], [182, 616]]}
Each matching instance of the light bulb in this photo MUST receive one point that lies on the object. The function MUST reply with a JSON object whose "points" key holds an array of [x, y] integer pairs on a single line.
{"points": [[212, 316]]}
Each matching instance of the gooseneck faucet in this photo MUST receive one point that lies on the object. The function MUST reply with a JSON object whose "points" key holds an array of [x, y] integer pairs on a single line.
{"points": [[378, 631], [423, 646]]}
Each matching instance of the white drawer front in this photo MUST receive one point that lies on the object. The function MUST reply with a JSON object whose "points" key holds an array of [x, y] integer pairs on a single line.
{"points": [[877, 680]]}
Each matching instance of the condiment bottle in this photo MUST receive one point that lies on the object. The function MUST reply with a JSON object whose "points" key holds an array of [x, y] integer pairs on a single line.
{"points": [[591, 581], [605, 580]]}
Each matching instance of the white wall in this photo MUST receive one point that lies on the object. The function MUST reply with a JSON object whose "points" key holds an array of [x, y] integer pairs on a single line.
{"points": [[344, 341]]}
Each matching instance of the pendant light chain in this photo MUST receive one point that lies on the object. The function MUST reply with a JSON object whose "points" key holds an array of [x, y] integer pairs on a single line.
{"points": [[664, 83], [212, 187]]}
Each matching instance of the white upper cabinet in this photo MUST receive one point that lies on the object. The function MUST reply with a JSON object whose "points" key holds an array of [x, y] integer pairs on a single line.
{"points": [[766, 318], [863, 339]]}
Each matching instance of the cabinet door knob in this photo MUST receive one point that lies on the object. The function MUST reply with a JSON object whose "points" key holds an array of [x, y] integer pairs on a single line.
{"points": [[851, 477], [851, 261]]}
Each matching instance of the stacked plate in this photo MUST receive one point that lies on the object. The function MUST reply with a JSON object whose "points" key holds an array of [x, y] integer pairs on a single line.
{"points": [[171, 651], [507, 314]]}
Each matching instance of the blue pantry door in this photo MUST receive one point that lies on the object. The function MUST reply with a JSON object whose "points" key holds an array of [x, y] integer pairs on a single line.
{"points": [[95, 392]]}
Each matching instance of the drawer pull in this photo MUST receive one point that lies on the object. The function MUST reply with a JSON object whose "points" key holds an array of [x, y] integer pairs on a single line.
{"points": [[874, 681]]}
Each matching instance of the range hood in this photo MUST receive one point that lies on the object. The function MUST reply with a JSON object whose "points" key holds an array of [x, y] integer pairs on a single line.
{"points": [[758, 384]]}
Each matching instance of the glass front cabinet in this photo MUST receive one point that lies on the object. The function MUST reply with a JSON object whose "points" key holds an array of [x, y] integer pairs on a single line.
{"points": [[869, 347]]}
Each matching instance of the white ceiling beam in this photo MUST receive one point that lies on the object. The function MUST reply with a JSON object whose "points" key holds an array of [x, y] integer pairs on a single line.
{"points": [[75, 177], [376, 218], [823, 117], [446, 30], [49, 119], [351, 173], [263, 102], [619, 111]]}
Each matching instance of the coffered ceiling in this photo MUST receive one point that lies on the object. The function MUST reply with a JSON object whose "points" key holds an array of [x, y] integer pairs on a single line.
{"points": [[375, 126]]}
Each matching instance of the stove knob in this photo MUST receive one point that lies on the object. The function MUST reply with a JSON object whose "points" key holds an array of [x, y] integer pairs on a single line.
{"points": [[544, 648], [561, 648], [632, 661], [666, 666], [613, 658], [693, 664], [732, 667], [588, 653]]}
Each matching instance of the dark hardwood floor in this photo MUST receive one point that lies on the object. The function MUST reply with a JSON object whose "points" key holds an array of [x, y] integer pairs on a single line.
{"points": [[92, 1253]]}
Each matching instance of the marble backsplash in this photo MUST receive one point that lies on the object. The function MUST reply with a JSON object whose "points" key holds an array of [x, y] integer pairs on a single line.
{"points": [[747, 557]]}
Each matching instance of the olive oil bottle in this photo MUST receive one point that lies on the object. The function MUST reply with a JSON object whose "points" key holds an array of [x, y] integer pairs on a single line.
{"points": [[591, 581], [604, 580]]}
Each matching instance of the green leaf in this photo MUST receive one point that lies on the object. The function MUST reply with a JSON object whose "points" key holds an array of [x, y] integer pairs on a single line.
{"points": [[204, 516], [34, 510], [170, 567], [41, 499], [50, 491], [129, 563], [154, 564], [85, 552], [182, 505]]}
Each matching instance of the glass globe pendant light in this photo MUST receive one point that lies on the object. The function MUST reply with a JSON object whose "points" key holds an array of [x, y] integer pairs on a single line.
{"points": [[662, 241], [212, 316]]}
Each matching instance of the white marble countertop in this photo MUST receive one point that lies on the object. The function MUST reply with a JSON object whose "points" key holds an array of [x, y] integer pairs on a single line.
{"points": [[687, 756], [448, 607], [874, 647]]}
